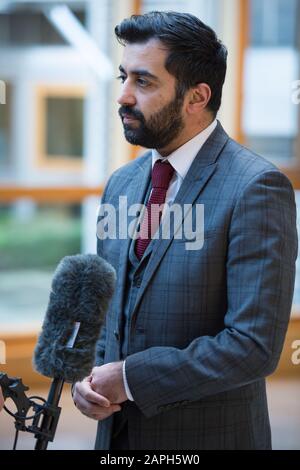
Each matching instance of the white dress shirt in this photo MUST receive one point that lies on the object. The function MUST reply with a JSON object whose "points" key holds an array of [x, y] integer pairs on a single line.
{"points": [[181, 160]]}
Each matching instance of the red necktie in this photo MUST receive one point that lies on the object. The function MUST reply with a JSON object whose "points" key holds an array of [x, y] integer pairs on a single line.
{"points": [[162, 173]]}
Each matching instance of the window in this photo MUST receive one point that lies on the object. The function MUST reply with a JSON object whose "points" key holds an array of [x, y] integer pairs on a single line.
{"points": [[33, 239], [161, 5], [60, 122], [64, 127], [209, 11], [273, 23], [270, 117]]}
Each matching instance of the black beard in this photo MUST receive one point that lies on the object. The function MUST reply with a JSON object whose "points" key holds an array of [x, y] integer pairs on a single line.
{"points": [[160, 129]]}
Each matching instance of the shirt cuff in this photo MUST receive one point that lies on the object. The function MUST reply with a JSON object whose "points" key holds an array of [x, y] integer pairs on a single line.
{"points": [[128, 393]]}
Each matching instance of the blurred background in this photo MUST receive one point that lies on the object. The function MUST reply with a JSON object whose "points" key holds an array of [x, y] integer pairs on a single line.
{"points": [[61, 137]]}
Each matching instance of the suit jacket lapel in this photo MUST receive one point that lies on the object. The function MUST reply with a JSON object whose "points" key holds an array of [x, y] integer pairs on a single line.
{"points": [[198, 175]]}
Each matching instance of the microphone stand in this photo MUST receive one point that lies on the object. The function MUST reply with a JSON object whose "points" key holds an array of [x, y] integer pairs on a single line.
{"points": [[50, 416], [46, 415]]}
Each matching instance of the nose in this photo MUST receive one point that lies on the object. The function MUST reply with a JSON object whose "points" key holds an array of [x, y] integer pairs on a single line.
{"points": [[127, 97]]}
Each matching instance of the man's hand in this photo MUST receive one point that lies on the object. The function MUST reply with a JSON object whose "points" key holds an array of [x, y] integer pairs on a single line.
{"points": [[1, 399], [107, 380], [90, 403]]}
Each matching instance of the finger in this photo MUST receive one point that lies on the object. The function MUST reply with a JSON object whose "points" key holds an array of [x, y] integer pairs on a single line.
{"points": [[85, 401], [107, 412], [87, 407], [85, 390], [98, 399], [96, 412]]}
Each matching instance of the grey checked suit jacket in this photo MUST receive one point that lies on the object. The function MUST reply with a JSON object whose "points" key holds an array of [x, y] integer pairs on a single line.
{"points": [[208, 326]]}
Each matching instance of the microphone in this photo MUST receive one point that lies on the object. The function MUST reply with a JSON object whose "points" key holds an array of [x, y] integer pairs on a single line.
{"points": [[82, 288]]}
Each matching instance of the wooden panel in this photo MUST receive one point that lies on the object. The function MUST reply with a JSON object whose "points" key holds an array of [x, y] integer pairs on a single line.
{"points": [[243, 38], [19, 352], [293, 174], [137, 7], [65, 194], [286, 367]]}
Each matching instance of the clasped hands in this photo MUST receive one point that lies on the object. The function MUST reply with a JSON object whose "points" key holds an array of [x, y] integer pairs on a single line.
{"points": [[100, 395]]}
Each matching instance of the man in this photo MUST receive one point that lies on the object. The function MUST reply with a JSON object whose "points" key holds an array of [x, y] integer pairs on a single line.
{"points": [[192, 331]]}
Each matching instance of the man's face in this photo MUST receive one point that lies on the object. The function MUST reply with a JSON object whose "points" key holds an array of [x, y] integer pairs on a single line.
{"points": [[151, 110]]}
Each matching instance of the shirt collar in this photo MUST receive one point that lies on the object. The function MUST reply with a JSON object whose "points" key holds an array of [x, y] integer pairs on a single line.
{"points": [[182, 158]]}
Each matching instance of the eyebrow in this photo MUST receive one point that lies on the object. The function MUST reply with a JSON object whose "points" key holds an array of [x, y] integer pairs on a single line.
{"points": [[140, 72]]}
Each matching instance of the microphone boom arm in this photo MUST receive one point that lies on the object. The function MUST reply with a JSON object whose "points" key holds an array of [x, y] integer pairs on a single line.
{"points": [[13, 387], [46, 415]]}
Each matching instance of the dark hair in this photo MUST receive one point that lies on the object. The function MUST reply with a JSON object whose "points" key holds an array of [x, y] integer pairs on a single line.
{"points": [[196, 54]]}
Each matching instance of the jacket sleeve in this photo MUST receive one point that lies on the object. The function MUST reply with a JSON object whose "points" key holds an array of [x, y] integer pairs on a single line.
{"points": [[262, 251]]}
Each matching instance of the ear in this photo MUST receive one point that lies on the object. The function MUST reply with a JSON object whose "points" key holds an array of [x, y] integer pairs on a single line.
{"points": [[198, 98]]}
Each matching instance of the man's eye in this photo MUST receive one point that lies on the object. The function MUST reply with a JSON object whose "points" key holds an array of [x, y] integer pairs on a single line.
{"points": [[122, 78], [142, 82]]}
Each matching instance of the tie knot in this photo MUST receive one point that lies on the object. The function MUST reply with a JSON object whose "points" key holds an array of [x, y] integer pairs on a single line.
{"points": [[162, 173]]}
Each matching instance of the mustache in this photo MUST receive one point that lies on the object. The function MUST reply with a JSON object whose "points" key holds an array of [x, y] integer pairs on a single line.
{"points": [[131, 112]]}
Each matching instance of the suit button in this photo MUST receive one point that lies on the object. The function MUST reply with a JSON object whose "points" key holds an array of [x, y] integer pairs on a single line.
{"points": [[117, 336], [137, 281]]}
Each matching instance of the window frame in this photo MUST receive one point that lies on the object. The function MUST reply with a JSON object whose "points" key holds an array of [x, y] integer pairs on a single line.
{"points": [[42, 159]]}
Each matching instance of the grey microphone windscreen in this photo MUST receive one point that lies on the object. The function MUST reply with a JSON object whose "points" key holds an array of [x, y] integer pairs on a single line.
{"points": [[82, 287]]}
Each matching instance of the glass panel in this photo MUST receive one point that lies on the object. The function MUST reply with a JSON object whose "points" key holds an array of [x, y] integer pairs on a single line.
{"points": [[277, 149], [64, 123], [273, 23], [5, 110], [33, 239], [163, 5], [270, 117], [28, 28]]}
